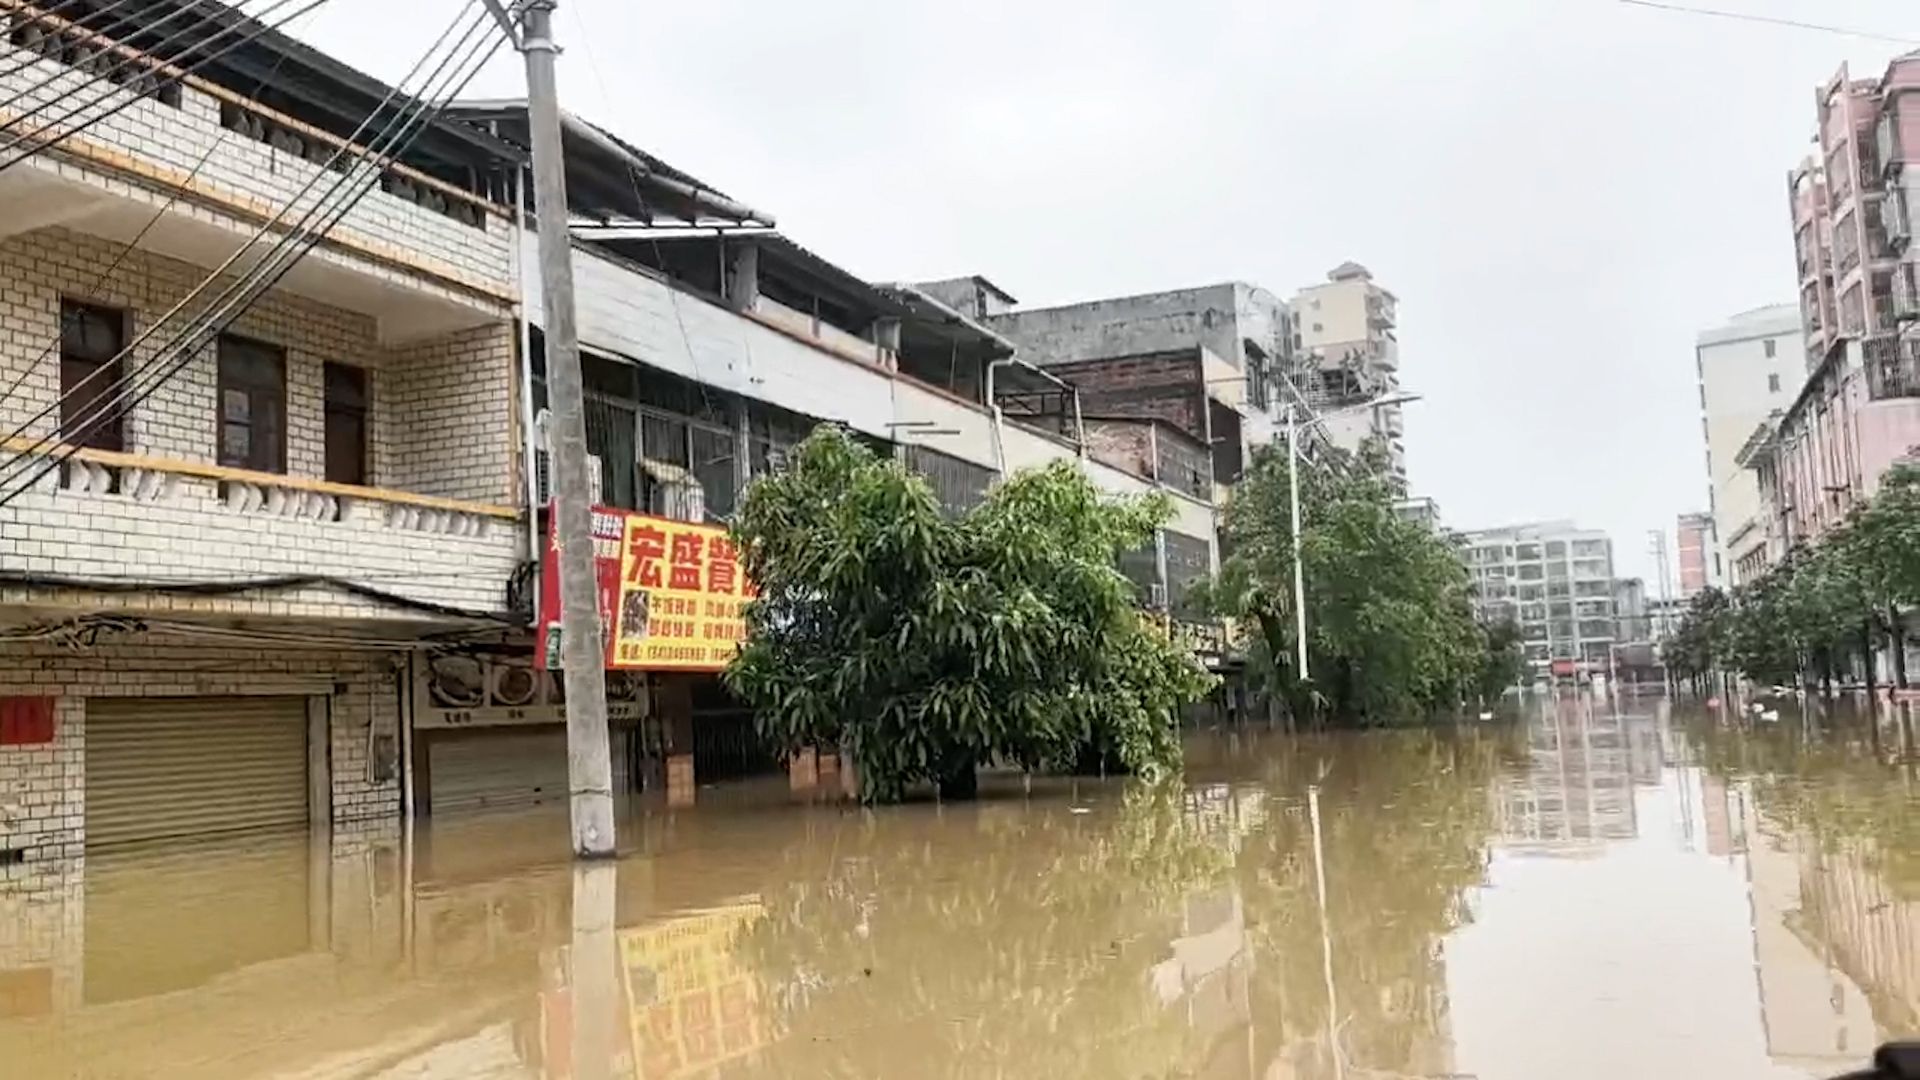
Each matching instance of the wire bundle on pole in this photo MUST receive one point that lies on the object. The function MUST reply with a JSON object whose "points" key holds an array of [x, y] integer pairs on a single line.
{"points": [[454, 68]]}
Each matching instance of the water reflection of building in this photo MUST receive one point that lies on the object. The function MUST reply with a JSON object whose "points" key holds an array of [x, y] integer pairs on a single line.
{"points": [[178, 963], [1206, 977], [1583, 761], [1813, 1012]]}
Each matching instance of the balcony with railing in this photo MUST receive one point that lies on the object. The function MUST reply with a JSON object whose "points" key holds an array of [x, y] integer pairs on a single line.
{"points": [[1892, 367], [216, 165], [297, 444]]}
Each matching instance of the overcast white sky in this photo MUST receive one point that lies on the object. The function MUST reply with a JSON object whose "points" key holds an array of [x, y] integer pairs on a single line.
{"points": [[1562, 192]]}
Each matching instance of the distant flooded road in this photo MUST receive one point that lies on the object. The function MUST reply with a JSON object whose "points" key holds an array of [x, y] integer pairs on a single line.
{"points": [[1593, 890]]}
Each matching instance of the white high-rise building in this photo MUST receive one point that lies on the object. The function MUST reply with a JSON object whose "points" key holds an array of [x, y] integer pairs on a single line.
{"points": [[1749, 367], [1554, 580], [1347, 353]]}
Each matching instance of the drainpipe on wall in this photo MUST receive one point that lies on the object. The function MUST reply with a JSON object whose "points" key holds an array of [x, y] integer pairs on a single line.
{"points": [[528, 466], [999, 420]]}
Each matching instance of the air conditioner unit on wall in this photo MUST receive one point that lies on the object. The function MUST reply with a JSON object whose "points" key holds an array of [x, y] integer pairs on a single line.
{"points": [[543, 464]]}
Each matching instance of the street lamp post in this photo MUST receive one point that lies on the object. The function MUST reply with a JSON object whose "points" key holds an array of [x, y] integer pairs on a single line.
{"points": [[1293, 504]]}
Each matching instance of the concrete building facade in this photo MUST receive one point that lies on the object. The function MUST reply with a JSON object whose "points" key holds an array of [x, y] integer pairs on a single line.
{"points": [[1554, 580], [1748, 368]]}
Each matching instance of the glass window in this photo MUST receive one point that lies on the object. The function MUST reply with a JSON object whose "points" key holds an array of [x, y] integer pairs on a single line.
{"points": [[91, 340], [1530, 572], [252, 405], [1556, 548], [1771, 349], [346, 423], [1773, 380], [1528, 551]]}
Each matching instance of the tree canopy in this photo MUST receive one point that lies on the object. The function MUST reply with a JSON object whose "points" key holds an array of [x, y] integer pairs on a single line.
{"points": [[1821, 605], [1390, 626], [926, 644]]}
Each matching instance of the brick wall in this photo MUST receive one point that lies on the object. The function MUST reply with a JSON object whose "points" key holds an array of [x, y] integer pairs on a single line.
{"points": [[1124, 444], [452, 393], [42, 788], [450, 406], [1164, 386], [443, 430]]}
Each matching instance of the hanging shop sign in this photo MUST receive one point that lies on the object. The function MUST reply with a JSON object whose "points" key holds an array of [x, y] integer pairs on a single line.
{"points": [[670, 593]]}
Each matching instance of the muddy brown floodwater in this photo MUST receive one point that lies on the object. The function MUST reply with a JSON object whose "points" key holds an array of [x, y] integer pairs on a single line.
{"points": [[1590, 890]]}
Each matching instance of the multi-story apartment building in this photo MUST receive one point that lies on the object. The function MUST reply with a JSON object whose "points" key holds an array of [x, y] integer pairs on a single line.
{"points": [[1748, 368], [288, 585], [1693, 534], [1344, 333], [1421, 510], [1554, 581], [1858, 411]]}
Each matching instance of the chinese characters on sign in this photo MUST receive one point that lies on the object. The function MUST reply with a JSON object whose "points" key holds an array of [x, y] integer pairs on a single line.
{"points": [[671, 594]]}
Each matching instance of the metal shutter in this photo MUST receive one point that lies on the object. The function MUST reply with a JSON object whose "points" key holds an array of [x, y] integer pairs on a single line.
{"points": [[168, 767], [485, 770]]}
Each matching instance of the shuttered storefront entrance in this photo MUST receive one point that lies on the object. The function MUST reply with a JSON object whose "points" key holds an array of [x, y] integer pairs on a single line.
{"points": [[507, 767], [184, 767]]}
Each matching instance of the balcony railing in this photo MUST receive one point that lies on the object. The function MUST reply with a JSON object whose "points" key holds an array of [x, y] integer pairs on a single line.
{"points": [[128, 516], [1893, 367]]}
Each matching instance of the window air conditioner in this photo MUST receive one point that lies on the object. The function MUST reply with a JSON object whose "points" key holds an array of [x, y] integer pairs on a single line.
{"points": [[543, 463]]}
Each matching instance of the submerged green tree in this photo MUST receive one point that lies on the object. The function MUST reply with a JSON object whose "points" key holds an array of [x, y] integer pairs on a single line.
{"points": [[1503, 659], [927, 645], [1390, 627]]}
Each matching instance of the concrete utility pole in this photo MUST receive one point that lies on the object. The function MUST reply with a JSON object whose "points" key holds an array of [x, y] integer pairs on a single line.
{"points": [[1299, 572], [582, 649]]}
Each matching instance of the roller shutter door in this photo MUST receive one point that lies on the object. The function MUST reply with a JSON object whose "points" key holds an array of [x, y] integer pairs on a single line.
{"points": [[518, 767], [181, 767]]}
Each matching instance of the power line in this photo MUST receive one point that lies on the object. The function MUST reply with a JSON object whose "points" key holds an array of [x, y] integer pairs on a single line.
{"points": [[270, 267], [54, 24], [122, 62], [1770, 20], [265, 272], [46, 141], [173, 196], [40, 18]]}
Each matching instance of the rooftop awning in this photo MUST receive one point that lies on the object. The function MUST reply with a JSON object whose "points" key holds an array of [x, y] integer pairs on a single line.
{"points": [[612, 182]]}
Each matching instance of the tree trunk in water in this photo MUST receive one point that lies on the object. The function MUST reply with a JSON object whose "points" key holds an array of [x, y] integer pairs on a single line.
{"points": [[960, 781], [1866, 650], [1897, 642], [1826, 674]]}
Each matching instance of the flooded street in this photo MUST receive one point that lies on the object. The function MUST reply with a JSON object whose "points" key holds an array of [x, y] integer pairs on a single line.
{"points": [[1589, 891]]}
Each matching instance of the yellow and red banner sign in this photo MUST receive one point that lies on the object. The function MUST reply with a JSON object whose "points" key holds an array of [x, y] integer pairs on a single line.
{"points": [[671, 593]]}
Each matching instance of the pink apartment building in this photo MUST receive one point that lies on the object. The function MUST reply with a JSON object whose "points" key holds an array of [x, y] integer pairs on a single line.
{"points": [[1859, 410], [1695, 535]]}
